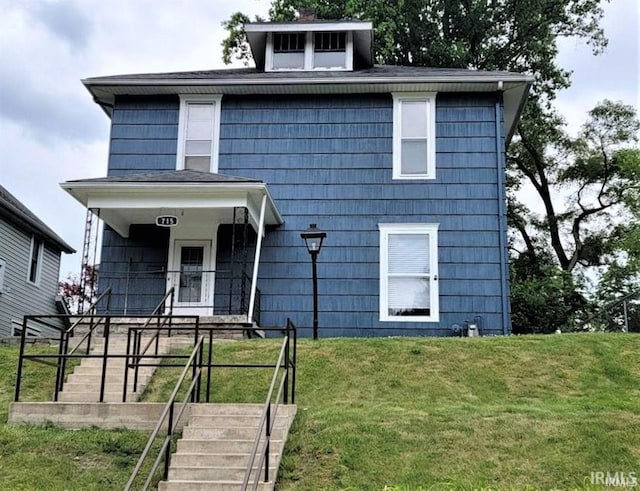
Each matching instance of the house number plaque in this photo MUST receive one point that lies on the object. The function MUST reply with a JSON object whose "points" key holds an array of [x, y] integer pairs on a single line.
{"points": [[166, 221]]}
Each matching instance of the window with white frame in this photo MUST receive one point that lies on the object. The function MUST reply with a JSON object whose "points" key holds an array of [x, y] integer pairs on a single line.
{"points": [[414, 136], [409, 272], [35, 261], [326, 50], [330, 50], [199, 133], [288, 50]]}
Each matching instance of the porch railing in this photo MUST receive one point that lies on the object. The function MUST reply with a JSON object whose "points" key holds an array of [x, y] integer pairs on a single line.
{"points": [[222, 292]]}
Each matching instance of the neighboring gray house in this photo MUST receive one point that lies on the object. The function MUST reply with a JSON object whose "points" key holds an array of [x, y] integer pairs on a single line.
{"points": [[29, 266]]}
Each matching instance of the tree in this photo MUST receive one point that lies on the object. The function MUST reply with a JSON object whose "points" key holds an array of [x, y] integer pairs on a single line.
{"points": [[599, 171], [76, 293], [534, 280]]}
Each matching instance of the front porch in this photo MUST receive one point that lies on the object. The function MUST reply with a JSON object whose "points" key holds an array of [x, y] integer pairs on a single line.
{"points": [[197, 232]]}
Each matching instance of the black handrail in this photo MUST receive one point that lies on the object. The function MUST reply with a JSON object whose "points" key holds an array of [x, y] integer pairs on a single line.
{"points": [[194, 362], [91, 312], [268, 418], [137, 333], [63, 345]]}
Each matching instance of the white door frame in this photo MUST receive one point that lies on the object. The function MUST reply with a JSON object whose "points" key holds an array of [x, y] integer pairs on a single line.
{"points": [[197, 235], [206, 287]]}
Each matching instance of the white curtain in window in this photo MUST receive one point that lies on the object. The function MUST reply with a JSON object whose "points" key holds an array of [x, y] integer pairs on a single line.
{"points": [[409, 273]]}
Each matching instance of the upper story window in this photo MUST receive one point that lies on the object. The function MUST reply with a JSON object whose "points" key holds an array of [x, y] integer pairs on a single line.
{"points": [[414, 136], [35, 261], [332, 50], [199, 133]]}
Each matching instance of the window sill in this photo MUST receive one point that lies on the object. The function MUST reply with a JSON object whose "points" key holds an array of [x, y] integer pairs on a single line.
{"points": [[404, 318], [414, 177]]}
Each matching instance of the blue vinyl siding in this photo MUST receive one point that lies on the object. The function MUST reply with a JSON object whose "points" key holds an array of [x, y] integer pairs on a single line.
{"points": [[134, 268], [144, 135], [327, 160]]}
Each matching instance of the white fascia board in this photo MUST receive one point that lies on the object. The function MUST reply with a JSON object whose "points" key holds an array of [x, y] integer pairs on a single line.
{"points": [[284, 80], [308, 26], [161, 187], [129, 202], [154, 194]]}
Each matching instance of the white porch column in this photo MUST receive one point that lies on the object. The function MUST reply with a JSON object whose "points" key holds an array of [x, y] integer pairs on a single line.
{"points": [[256, 261]]}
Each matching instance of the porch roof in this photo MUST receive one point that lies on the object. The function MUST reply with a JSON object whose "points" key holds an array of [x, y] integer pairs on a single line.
{"points": [[139, 198]]}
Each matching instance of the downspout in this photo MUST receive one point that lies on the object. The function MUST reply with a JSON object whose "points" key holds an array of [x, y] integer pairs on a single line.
{"points": [[256, 261], [502, 214]]}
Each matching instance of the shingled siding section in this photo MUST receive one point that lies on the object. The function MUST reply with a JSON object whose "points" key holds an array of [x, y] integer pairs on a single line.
{"points": [[144, 135], [134, 268], [328, 160]]}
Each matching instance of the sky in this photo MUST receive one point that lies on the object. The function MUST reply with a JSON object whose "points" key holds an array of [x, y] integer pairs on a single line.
{"points": [[51, 131]]}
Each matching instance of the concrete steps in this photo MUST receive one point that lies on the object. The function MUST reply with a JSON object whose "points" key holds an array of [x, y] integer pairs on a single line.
{"points": [[216, 443], [83, 384]]}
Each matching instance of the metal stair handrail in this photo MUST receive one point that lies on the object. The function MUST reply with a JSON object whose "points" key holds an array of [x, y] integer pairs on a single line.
{"points": [[90, 313], [194, 364], [268, 418]]}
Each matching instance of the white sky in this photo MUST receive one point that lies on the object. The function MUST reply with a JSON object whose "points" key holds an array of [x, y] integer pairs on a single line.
{"points": [[51, 131]]}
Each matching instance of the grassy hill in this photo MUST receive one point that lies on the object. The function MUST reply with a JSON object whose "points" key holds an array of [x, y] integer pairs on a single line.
{"points": [[495, 413]]}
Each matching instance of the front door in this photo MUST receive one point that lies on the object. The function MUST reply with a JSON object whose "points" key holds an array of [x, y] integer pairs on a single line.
{"points": [[193, 277]]}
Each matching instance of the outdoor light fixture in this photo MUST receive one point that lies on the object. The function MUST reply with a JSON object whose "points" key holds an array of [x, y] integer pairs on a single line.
{"points": [[313, 238]]}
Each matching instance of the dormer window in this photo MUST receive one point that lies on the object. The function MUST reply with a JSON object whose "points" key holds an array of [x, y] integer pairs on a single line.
{"points": [[288, 50], [331, 50], [310, 45]]}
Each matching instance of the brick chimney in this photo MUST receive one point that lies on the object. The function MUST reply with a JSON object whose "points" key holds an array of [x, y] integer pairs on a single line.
{"points": [[306, 15]]}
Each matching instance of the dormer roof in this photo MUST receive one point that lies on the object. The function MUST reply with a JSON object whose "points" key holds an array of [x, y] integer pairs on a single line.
{"points": [[257, 33]]}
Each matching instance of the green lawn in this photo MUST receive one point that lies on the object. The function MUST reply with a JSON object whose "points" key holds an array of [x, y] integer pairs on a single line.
{"points": [[50, 458], [406, 414]]}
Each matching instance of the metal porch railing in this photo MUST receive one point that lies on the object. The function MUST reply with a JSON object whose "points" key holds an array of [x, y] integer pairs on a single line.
{"points": [[220, 291]]}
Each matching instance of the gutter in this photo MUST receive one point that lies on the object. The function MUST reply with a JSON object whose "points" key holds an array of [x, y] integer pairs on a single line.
{"points": [[502, 215], [305, 81]]}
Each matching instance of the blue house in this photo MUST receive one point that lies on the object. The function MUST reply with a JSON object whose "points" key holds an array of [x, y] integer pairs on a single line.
{"points": [[213, 175]]}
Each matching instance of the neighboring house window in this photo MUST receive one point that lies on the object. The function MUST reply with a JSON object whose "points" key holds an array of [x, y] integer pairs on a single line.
{"points": [[309, 51], [16, 329], [35, 260], [409, 272], [198, 133], [414, 136]]}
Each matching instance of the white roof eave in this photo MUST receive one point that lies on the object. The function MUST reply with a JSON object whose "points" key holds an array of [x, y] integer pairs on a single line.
{"points": [[82, 191], [515, 85]]}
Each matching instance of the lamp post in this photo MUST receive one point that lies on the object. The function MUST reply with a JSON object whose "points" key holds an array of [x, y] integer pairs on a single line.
{"points": [[313, 238]]}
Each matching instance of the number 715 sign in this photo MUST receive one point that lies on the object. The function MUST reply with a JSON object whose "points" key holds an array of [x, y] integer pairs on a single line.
{"points": [[166, 221]]}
